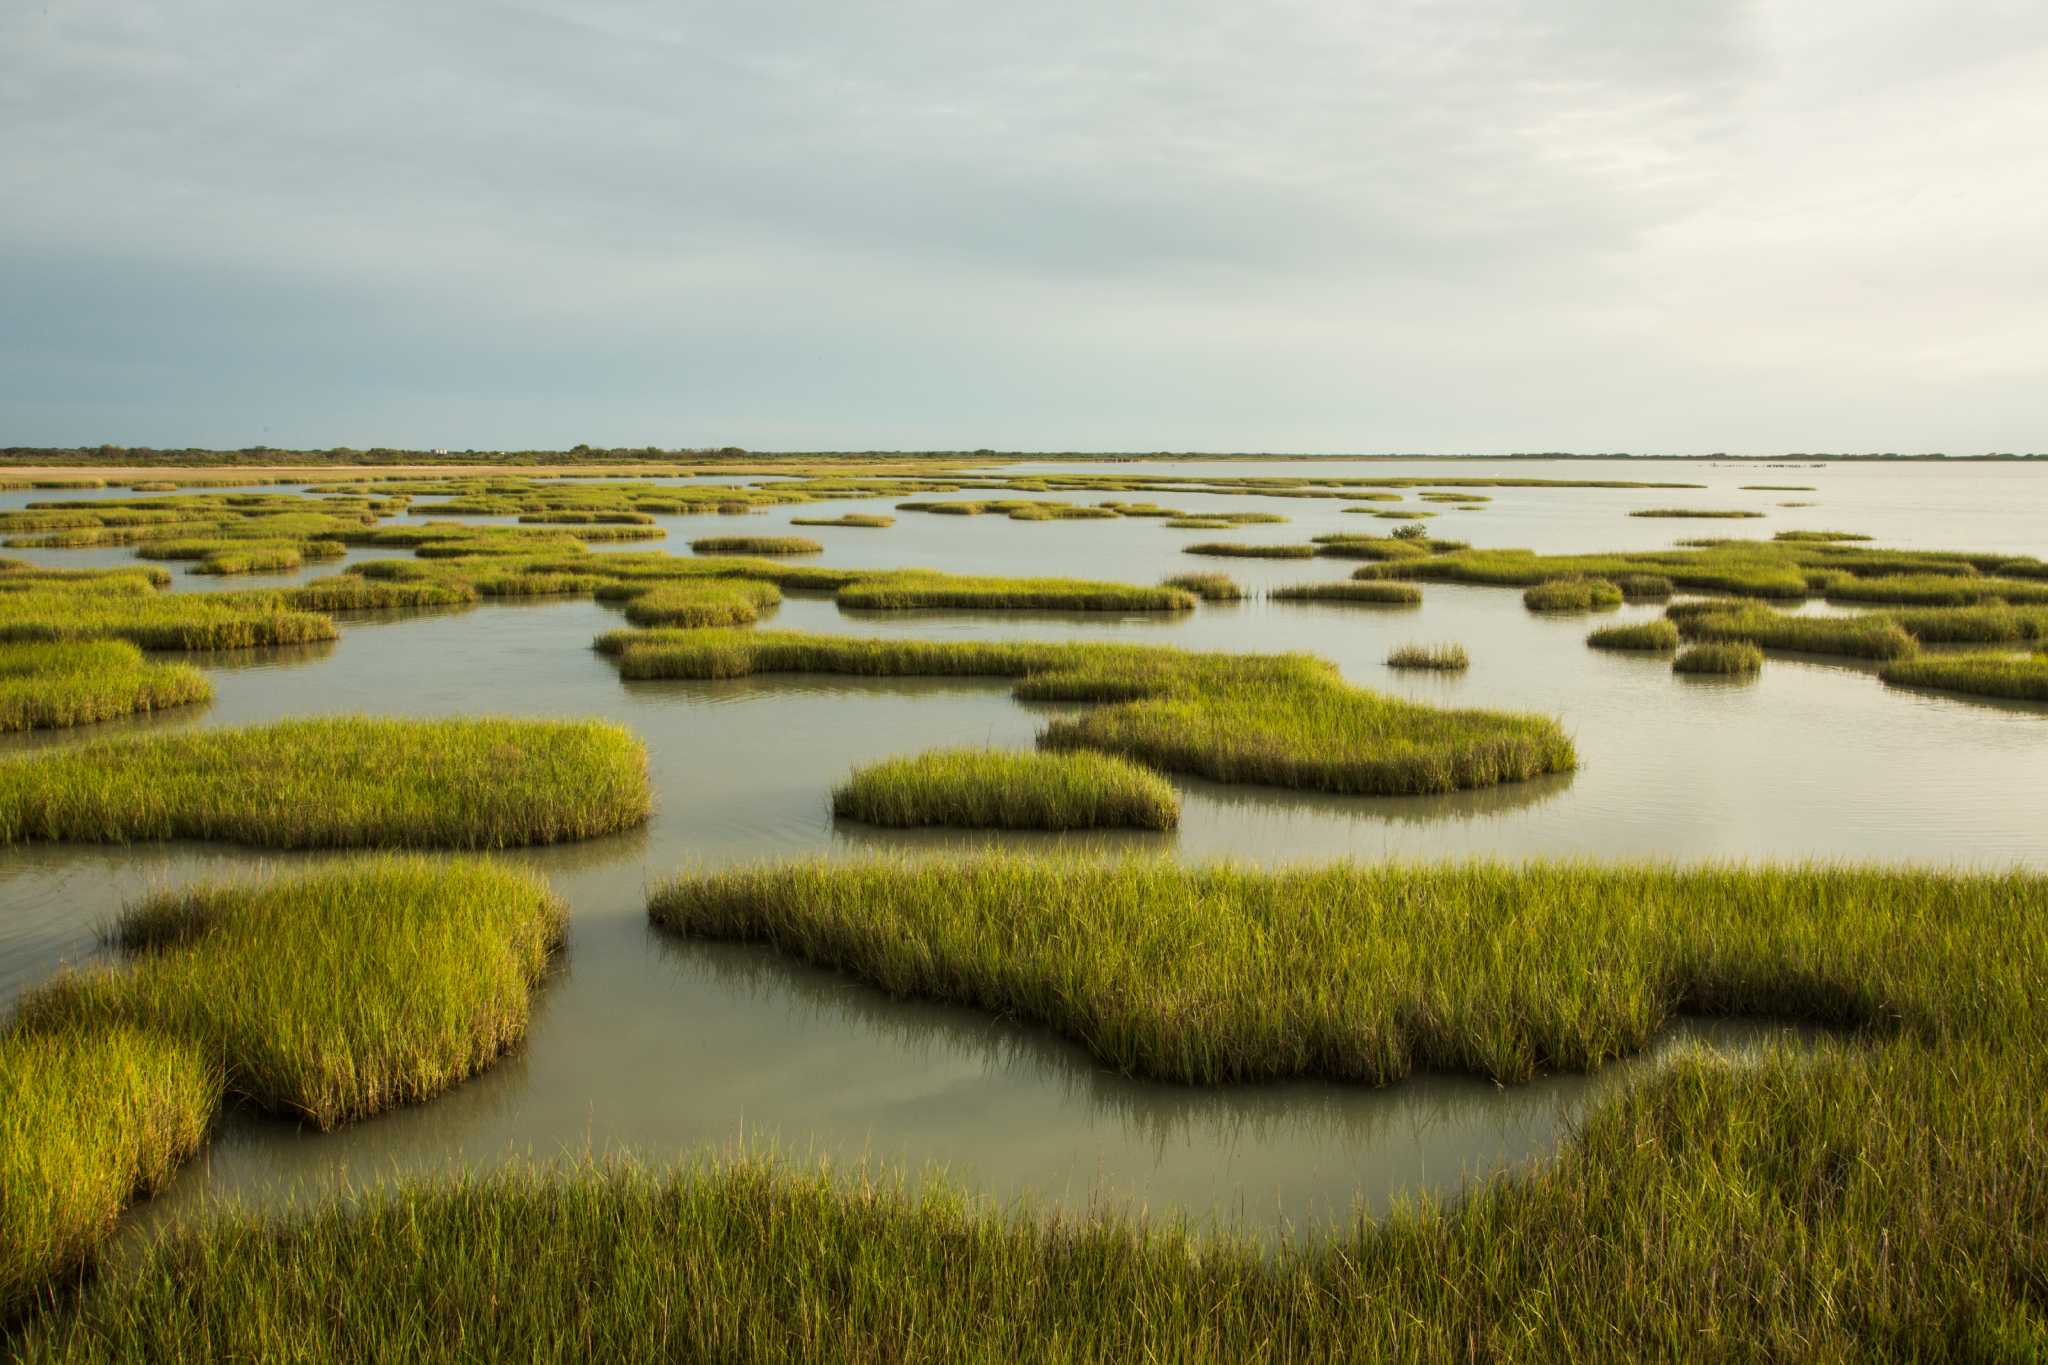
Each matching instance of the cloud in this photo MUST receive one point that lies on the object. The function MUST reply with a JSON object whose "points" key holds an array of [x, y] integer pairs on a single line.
{"points": [[1197, 225]]}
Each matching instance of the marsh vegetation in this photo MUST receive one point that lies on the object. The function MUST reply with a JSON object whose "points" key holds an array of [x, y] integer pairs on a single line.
{"points": [[995, 789]]}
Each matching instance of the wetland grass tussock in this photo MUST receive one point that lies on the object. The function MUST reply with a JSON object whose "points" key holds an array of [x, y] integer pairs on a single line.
{"points": [[998, 789], [1236, 550], [1573, 594], [67, 683], [340, 782], [1372, 592], [89, 1119], [1651, 636], [329, 995], [1446, 658], [1282, 720], [1210, 587], [2014, 677], [868, 520], [913, 589], [756, 545], [1736, 659], [1858, 637], [701, 602]]}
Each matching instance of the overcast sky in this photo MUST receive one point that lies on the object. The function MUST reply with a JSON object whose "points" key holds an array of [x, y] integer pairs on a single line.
{"points": [[1325, 225]]}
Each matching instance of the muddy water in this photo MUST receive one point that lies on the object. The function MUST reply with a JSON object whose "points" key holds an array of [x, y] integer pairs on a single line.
{"points": [[666, 1049]]}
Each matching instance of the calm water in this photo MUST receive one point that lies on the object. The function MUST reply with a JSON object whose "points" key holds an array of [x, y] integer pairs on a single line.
{"points": [[665, 1049]]}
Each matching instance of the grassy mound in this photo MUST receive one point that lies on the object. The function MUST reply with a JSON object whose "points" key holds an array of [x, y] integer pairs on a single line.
{"points": [[1730, 659], [343, 782], [1369, 592], [755, 545], [1573, 594], [2012, 676], [1282, 720], [992, 789], [49, 686], [1449, 658], [1210, 587], [1655, 636]]}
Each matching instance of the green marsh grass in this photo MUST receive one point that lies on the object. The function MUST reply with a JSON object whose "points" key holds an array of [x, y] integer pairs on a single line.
{"points": [[1210, 587], [331, 995], [996, 789], [1937, 590], [1778, 488], [1991, 625], [756, 545], [1730, 659], [1712, 513], [1821, 537], [1859, 637], [2014, 677], [1573, 594], [909, 589], [66, 683], [1446, 658], [1643, 587], [129, 608], [870, 520], [704, 602], [344, 782], [1281, 720], [1368, 592], [1652, 636], [1233, 549], [89, 1119]]}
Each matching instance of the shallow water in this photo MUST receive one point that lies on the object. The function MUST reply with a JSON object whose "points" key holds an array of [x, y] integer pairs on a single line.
{"points": [[663, 1048]]}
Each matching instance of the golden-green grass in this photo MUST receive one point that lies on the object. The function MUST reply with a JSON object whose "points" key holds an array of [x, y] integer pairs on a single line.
{"points": [[1653, 636], [45, 685], [1860, 637], [89, 1119], [1992, 625], [1281, 720], [699, 602], [1643, 587], [336, 782], [1370, 547], [755, 545], [1367, 592], [127, 607], [1778, 488], [1718, 657], [870, 520], [330, 995], [2015, 677], [1444, 658], [1937, 590], [1234, 549], [1718, 513], [998, 789], [909, 589], [1821, 537], [1210, 587], [1573, 594]]}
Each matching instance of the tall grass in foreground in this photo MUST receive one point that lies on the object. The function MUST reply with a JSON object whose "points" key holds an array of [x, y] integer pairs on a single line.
{"points": [[2012, 676], [339, 782], [1446, 658], [88, 1119], [1284, 720], [49, 686], [125, 607], [328, 996], [994, 789]]}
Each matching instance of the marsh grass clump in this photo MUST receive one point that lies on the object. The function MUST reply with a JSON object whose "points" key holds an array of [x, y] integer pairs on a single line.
{"points": [[1282, 720], [1992, 625], [1858, 637], [1446, 658], [67, 683], [1377, 548], [1778, 488], [343, 782], [1238, 550], [1944, 589], [1573, 594], [120, 606], [331, 995], [871, 520], [1729, 659], [995, 789], [89, 1119], [703, 602], [1368, 592], [1651, 636], [1197, 523], [909, 589], [1643, 587], [756, 545], [2015, 677], [1210, 587], [1712, 513], [1820, 537]]}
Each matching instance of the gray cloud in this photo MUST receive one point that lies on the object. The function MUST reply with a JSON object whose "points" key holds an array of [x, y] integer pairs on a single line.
{"points": [[1451, 225]]}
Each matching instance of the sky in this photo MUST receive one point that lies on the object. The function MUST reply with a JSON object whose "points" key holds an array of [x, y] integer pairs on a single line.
{"points": [[1508, 225]]}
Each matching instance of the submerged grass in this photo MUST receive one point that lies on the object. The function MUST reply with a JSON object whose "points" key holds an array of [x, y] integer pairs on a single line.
{"points": [[1447, 658], [1283, 720], [1734, 659], [996, 789], [89, 1119], [331, 995], [338, 782], [2012, 676], [54, 685]]}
